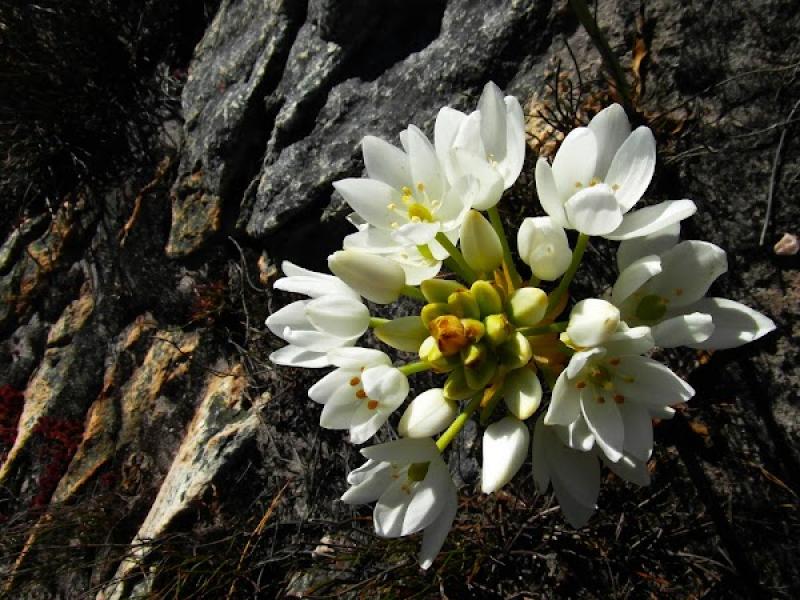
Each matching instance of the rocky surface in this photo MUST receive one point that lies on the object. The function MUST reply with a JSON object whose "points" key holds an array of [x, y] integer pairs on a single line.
{"points": [[157, 452]]}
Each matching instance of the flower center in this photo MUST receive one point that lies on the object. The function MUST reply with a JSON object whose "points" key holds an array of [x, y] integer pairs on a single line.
{"points": [[651, 308]]}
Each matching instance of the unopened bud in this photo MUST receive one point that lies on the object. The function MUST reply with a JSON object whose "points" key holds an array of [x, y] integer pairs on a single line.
{"points": [[543, 246], [480, 244], [489, 300], [438, 290], [479, 365], [449, 334], [498, 329], [431, 311], [456, 388], [473, 329], [528, 306], [427, 414], [516, 352], [463, 305], [374, 277], [591, 322], [430, 353], [522, 393], [404, 333]]}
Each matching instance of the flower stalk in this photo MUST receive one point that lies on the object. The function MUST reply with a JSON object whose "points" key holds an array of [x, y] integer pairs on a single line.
{"points": [[566, 280], [458, 423], [463, 269], [508, 260]]}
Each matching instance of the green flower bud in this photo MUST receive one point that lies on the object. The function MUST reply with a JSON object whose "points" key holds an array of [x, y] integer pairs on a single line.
{"points": [[430, 353], [463, 305], [456, 388], [498, 329], [473, 329], [516, 352], [431, 311], [479, 365], [527, 306], [489, 300], [480, 244], [449, 334], [405, 333], [438, 290]]}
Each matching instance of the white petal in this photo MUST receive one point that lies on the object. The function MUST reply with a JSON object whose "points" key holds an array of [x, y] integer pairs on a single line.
{"points": [[594, 210], [404, 451], [425, 168], [629, 341], [653, 218], [311, 283], [427, 414], [592, 321], [356, 358], [734, 324], [435, 533], [370, 487], [653, 385], [469, 134], [522, 393], [323, 389], [549, 197], [564, 405], [448, 121], [576, 514], [455, 206], [541, 468], [337, 415], [575, 162], [386, 162], [341, 316], [683, 330], [417, 234], [493, 121], [511, 166], [292, 315], [576, 435], [604, 422], [391, 508], [429, 496], [631, 469], [370, 199], [579, 360], [632, 167], [635, 276], [578, 473], [490, 183], [371, 239], [543, 245], [365, 422], [703, 262], [505, 446], [656, 243], [315, 340], [610, 127], [292, 356], [387, 385], [638, 430]]}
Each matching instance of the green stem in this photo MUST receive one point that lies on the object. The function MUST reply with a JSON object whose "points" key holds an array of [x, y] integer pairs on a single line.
{"points": [[497, 224], [412, 292], [455, 427], [584, 15], [377, 321], [453, 266], [415, 367], [466, 272], [563, 285], [542, 329]]}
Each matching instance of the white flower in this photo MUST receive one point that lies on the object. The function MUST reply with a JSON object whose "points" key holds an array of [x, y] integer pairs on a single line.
{"points": [[575, 474], [662, 284], [488, 144], [505, 446], [544, 247], [361, 394], [425, 500], [480, 244], [373, 276], [599, 173], [407, 194], [522, 393], [616, 392], [334, 318], [427, 414]]}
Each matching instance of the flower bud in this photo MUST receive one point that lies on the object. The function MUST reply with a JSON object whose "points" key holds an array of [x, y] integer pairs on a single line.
{"points": [[544, 247], [479, 365], [489, 300], [438, 290], [479, 243], [473, 329], [498, 329], [431, 311], [516, 352], [463, 305], [449, 334], [591, 322], [505, 446], [405, 333], [522, 393], [374, 277], [456, 388], [527, 306], [427, 414], [430, 353]]}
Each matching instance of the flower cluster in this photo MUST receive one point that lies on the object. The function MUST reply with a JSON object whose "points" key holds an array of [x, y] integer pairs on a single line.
{"points": [[494, 336]]}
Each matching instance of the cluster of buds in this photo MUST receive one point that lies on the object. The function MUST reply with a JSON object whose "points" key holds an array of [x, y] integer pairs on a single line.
{"points": [[493, 336]]}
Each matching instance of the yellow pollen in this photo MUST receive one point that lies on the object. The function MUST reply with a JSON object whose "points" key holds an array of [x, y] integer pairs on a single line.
{"points": [[361, 394], [372, 404], [406, 190], [421, 186], [580, 385], [619, 398], [578, 184], [394, 225], [355, 381], [594, 181], [415, 219], [615, 187], [391, 206]]}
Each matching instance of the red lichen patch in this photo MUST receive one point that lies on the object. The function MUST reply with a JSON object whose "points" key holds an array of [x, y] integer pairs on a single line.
{"points": [[60, 439], [11, 402]]}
